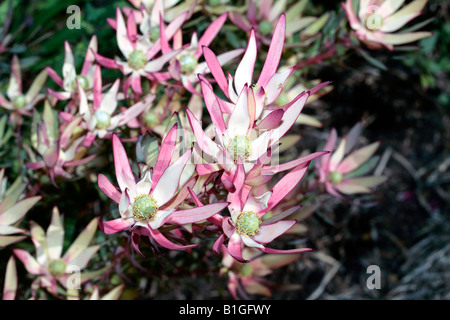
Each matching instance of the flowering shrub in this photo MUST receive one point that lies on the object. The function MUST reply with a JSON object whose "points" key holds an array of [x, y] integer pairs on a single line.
{"points": [[184, 134]]}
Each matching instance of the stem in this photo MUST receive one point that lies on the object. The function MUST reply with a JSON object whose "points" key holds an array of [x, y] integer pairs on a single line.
{"points": [[317, 59], [346, 43]]}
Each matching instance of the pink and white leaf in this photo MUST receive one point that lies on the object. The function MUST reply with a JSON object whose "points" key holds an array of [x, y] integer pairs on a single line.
{"points": [[168, 184], [403, 16], [290, 115], [235, 247], [359, 184], [216, 70], [124, 43], [124, 175], [244, 71], [165, 153], [276, 83], [28, 261], [357, 158], [69, 72], [108, 188], [114, 226], [83, 258], [271, 231], [239, 120]]}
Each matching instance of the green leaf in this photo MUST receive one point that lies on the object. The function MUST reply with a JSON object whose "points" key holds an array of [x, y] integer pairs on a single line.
{"points": [[429, 43], [316, 26], [419, 26], [376, 63]]}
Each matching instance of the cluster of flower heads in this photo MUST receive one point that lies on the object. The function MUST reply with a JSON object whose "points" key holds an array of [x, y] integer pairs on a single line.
{"points": [[225, 176]]}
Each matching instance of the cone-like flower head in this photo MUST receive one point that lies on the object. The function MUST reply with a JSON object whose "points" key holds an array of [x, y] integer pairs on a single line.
{"points": [[70, 78], [21, 103], [50, 265]]}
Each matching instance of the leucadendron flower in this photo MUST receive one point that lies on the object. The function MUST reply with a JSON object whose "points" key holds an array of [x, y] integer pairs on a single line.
{"points": [[148, 19], [139, 54], [52, 267], [145, 205], [102, 117], [343, 171], [236, 140], [248, 278], [241, 140], [269, 84], [70, 78], [20, 103], [185, 67], [246, 226], [13, 208], [264, 114], [378, 23], [57, 148]]}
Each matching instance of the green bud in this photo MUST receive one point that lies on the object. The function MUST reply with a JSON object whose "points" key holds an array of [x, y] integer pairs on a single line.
{"points": [[19, 102], [248, 223], [103, 119], [188, 63], [150, 119], [239, 147], [57, 267], [335, 177]]}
